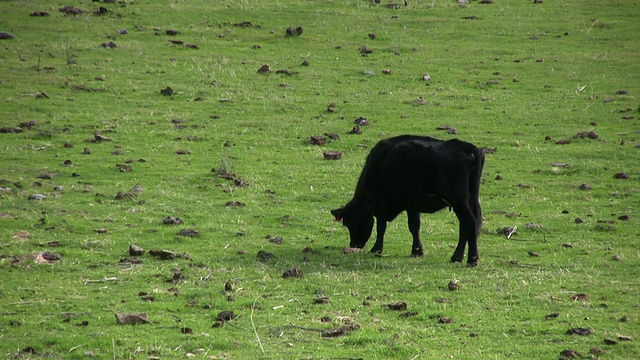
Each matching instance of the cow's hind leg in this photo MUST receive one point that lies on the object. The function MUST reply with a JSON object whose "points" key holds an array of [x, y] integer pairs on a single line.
{"points": [[468, 232], [381, 228], [414, 228]]}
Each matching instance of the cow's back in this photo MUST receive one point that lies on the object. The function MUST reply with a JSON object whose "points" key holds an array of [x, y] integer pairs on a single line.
{"points": [[415, 172]]}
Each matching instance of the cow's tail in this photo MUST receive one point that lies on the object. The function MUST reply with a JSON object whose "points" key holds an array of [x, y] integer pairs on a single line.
{"points": [[475, 176]]}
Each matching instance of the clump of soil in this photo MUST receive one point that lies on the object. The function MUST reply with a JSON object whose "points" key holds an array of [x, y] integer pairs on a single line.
{"points": [[397, 305], [293, 273], [318, 140], [587, 135], [131, 319], [579, 331], [188, 233], [264, 256], [297, 31], [172, 220], [168, 255]]}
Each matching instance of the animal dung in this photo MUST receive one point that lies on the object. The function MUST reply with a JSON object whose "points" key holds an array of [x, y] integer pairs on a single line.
{"points": [[135, 250], [168, 91], [188, 233], [332, 155], [318, 140], [397, 305], [297, 31], [131, 319], [293, 273]]}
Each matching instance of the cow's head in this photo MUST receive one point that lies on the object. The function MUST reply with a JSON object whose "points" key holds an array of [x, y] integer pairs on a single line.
{"points": [[359, 224]]}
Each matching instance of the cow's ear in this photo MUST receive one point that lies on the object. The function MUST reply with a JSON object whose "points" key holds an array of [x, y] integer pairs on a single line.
{"points": [[337, 213]]}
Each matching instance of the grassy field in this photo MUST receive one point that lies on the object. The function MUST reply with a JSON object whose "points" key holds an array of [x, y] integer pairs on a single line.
{"points": [[95, 158]]}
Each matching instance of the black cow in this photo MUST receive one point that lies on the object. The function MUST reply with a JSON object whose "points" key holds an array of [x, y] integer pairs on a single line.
{"points": [[417, 174]]}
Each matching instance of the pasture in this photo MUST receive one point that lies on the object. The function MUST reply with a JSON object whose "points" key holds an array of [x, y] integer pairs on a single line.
{"points": [[155, 124]]}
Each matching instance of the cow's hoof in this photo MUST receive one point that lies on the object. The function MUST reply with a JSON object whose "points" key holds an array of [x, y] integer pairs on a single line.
{"points": [[376, 252], [472, 264], [417, 253], [455, 259]]}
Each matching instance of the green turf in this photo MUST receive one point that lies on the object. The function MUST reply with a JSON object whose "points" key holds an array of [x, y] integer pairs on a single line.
{"points": [[514, 77]]}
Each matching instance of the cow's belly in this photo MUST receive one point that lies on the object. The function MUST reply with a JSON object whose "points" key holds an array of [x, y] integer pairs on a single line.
{"points": [[431, 203]]}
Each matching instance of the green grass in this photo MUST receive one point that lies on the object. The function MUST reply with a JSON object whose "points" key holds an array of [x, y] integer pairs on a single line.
{"points": [[516, 73]]}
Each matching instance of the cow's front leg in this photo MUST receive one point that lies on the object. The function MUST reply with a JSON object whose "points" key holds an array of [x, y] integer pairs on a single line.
{"points": [[381, 228], [414, 228]]}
